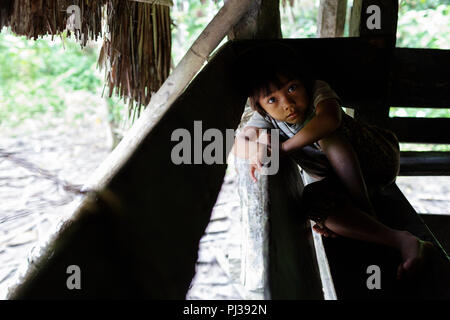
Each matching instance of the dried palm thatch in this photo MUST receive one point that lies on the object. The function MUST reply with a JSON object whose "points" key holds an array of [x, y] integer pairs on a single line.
{"points": [[136, 54], [138, 49], [35, 18]]}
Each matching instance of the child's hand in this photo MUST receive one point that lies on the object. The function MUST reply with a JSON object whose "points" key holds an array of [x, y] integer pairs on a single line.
{"points": [[256, 159], [253, 168], [324, 231], [265, 138]]}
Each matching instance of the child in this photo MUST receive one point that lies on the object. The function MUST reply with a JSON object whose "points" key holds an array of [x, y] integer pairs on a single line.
{"points": [[346, 157]]}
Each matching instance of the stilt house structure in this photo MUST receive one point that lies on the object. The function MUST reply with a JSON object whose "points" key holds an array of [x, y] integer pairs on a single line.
{"points": [[138, 235]]}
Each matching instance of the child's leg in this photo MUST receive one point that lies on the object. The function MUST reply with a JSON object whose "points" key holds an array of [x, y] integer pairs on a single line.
{"points": [[326, 203], [351, 222]]}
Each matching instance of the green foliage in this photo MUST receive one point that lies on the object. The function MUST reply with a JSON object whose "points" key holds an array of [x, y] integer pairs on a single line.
{"points": [[407, 5], [300, 20], [419, 113], [189, 19], [34, 75], [424, 147], [424, 24]]}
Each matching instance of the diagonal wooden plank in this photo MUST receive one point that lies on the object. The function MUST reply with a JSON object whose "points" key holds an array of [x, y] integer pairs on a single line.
{"points": [[139, 236]]}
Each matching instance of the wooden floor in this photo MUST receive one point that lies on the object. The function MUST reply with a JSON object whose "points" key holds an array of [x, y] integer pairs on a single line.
{"points": [[349, 259], [218, 264], [440, 226], [219, 261], [41, 205]]}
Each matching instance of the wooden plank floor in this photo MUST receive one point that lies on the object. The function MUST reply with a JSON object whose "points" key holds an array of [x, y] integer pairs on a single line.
{"points": [[439, 225], [350, 259], [219, 261]]}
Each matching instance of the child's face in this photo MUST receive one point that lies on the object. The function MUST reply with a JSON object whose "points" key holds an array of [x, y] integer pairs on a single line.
{"points": [[288, 104]]}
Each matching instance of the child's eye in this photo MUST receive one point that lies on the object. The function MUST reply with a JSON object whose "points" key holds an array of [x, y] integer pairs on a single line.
{"points": [[271, 100], [292, 88]]}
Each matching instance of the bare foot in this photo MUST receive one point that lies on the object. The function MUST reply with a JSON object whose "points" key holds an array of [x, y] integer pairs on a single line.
{"points": [[414, 253], [324, 231]]}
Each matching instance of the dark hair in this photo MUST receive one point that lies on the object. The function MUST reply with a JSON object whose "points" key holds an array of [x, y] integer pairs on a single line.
{"points": [[260, 69]]}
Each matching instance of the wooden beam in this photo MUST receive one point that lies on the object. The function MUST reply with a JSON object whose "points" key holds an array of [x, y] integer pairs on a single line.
{"points": [[420, 78], [358, 71], [357, 68], [278, 256], [138, 236], [331, 23], [254, 264], [293, 269], [424, 163], [262, 21], [354, 69], [355, 18], [420, 130], [331, 18], [376, 18], [364, 17]]}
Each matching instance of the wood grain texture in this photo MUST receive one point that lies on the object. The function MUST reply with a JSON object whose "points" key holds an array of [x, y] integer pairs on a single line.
{"points": [[424, 163], [331, 18], [349, 259]]}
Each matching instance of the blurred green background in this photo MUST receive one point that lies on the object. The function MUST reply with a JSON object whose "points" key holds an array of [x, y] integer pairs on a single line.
{"points": [[35, 75]]}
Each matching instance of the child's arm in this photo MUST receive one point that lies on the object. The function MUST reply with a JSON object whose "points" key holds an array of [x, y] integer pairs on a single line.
{"points": [[326, 120], [246, 142], [343, 158], [250, 144]]}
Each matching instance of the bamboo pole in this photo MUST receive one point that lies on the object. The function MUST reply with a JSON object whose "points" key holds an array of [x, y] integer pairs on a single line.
{"points": [[161, 101], [168, 3]]}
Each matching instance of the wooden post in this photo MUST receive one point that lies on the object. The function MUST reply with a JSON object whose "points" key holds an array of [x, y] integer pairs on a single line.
{"points": [[262, 21], [369, 18], [355, 18], [278, 256], [293, 269], [331, 18], [331, 23], [363, 20]]}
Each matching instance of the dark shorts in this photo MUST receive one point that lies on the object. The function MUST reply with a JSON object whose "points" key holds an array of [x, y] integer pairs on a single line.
{"points": [[321, 198], [377, 150]]}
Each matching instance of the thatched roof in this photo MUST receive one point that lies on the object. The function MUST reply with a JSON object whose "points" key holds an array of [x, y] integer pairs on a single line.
{"points": [[33, 18], [138, 49], [137, 41]]}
